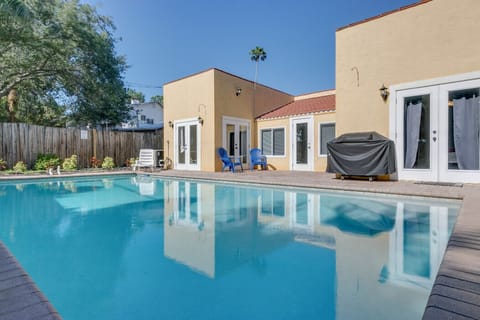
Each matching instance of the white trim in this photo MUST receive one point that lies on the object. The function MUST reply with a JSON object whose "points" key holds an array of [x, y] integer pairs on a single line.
{"points": [[436, 81], [237, 122], [320, 155], [187, 123], [439, 88], [259, 141], [311, 144]]}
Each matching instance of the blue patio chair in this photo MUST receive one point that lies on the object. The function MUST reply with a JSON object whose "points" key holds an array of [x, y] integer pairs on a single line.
{"points": [[257, 158], [228, 162]]}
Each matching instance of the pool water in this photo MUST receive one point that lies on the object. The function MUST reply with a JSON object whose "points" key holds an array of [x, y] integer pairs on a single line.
{"points": [[146, 248]]}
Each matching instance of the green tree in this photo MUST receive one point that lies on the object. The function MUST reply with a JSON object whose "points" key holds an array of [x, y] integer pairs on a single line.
{"points": [[60, 55], [135, 95], [257, 54], [158, 99]]}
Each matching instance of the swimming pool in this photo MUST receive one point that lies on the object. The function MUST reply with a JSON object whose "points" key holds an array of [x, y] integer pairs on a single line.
{"points": [[144, 248]]}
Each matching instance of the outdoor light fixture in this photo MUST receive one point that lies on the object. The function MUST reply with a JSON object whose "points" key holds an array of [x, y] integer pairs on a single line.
{"points": [[238, 91], [200, 120], [384, 92], [170, 124]]}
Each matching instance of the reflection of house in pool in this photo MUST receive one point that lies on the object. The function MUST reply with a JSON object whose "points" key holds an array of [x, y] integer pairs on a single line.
{"points": [[371, 248], [213, 235]]}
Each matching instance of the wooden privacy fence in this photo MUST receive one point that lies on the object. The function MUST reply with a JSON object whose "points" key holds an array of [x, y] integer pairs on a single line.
{"points": [[23, 142]]}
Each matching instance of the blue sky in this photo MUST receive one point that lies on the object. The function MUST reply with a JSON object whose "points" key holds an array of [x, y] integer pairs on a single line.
{"points": [[164, 40]]}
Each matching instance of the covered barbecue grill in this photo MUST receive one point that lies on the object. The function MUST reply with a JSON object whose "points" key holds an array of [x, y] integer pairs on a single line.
{"points": [[361, 154]]}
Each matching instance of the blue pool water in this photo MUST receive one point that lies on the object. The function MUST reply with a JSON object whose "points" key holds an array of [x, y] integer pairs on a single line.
{"points": [[144, 248]]}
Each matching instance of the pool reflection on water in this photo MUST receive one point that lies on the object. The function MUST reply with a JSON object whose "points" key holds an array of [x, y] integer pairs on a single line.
{"points": [[149, 248]]}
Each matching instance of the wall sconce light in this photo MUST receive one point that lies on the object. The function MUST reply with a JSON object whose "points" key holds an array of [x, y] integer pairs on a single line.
{"points": [[384, 92], [200, 120], [238, 91], [170, 124]]}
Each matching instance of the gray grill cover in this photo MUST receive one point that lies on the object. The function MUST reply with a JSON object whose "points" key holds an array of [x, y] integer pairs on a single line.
{"points": [[361, 154]]}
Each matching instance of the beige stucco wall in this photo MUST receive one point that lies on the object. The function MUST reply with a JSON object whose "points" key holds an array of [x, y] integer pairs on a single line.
{"points": [[320, 162], [431, 40], [211, 95], [190, 98], [284, 162], [276, 162]]}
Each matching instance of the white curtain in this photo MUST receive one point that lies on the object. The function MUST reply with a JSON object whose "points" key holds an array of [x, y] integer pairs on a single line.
{"points": [[412, 127], [466, 132]]}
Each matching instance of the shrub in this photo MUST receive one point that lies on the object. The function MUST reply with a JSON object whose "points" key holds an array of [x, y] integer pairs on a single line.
{"points": [[94, 162], [108, 163], [46, 161], [20, 166], [3, 165], [71, 163], [130, 162]]}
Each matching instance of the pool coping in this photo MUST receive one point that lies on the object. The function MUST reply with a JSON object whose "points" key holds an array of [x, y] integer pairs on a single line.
{"points": [[20, 298], [456, 291]]}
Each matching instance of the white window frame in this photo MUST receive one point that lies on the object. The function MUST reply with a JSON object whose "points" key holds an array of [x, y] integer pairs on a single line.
{"points": [[284, 141], [320, 155]]}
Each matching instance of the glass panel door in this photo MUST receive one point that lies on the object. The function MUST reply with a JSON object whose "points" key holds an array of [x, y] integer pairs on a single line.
{"points": [[181, 144], [301, 133], [302, 146], [192, 147], [417, 134], [460, 115], [187, 145], [236, 135]]}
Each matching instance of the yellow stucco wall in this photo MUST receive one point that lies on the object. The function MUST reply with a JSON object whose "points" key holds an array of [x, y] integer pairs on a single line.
{"points": [[320, 163], [284, 162], [211, 95], [276, 162], [190, 98], [427, 41]]}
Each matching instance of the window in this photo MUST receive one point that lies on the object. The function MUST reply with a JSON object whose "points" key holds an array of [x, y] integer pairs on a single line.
{"points": [[143, 117], [327, 134], [273, 141]]}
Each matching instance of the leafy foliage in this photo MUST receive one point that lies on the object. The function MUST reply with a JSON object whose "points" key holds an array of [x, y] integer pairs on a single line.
{"points": [[46, 161], [70, 163], [20, 166], [95, 163], [135, 95], [3, 165], [258, 53], [158, 99], [108, 163], [59, 56]]}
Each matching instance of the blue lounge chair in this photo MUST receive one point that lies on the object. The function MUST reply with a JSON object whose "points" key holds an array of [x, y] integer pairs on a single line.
{"points": [[228, 162], [257, 158]]}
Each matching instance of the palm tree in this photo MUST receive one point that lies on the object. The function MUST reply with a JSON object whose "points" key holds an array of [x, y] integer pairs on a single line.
{"points": [[255, 55]]}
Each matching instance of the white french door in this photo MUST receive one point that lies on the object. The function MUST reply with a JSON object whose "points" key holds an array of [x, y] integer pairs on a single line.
{"points": [[417, 134], [438, 132], [187, 145], [302, 144], [236, 138]]}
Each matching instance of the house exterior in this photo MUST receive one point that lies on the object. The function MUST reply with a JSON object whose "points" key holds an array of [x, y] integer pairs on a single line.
{"points": [[425, 55], [213, 109], [145, 116], [294, 136]]}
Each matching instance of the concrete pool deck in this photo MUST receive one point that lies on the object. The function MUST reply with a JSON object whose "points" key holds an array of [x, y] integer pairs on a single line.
{"points": [[456, 292]]}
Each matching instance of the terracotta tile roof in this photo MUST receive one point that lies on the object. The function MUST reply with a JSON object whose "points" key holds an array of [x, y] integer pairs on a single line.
{"points": [[305, 106], [385, 14]]}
